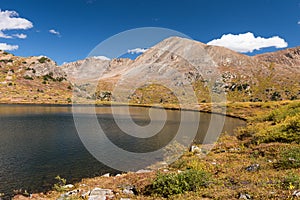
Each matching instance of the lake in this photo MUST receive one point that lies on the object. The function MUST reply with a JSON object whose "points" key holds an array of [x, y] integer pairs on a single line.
{"points": [[39, 142]]}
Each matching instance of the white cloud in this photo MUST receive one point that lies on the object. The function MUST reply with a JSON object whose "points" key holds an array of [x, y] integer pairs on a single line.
{"points": [[54, 32], [136, 51], [247, 42], [101, 57], [21, 36], [10, 20], [299, 22], [3, 35], [8, 47]]}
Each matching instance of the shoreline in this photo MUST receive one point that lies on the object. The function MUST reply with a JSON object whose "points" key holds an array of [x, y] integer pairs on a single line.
{"points": [[239, 110], [200, 108]]}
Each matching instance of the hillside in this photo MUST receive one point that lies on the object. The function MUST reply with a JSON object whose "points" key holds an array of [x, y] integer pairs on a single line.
{"points": [[161, 75], [288, 57], [32, 80], [163, 71]]}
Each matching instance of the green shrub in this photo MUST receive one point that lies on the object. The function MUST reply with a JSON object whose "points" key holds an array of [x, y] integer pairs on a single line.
{"points": [[6, 60], [60, 79], [28, 77], [286, 131], [289, 158], [48, 77], [280, 125], [170, 184], [291, 181], [43, 59], [282, 113], [59, 186]]}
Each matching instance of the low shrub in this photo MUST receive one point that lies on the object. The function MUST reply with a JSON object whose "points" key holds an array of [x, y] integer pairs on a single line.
{"points": [[59, 186], [166, 185], [60, 79], [28, 77], [291, 181], [48, 77], [288, 158], [286, 131], [280, 125], [279, 115], [43, 59]]}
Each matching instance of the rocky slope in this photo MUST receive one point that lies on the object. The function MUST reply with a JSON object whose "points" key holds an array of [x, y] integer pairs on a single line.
{"points": [[167, 73], [288, 57], [164, 72], [32, 80]]}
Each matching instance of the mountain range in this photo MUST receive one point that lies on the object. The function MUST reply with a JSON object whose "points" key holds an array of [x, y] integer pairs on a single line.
{"points": [[164, 74]]}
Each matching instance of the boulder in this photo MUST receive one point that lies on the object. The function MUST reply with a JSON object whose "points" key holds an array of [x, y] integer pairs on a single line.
{"points": [[253, 168], [244, 196], [68, 186], [195, 149], [68, 194], [296, 193], [106, 175], [100, 194]]}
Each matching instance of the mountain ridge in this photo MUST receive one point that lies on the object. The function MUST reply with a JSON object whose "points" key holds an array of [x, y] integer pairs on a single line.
{"points": [[174, 61], [195, 60]]}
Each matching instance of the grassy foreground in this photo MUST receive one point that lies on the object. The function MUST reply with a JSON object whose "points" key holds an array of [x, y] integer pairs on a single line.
{"points": [[259, 161]]}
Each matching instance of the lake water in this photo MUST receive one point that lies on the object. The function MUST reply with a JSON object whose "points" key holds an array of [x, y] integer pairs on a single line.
{"points": [[38, 143]]}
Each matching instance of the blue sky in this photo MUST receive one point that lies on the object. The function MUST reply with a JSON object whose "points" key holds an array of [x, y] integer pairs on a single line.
{"points": [[67, 30]]}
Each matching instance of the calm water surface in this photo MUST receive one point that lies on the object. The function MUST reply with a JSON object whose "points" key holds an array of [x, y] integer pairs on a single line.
{"points": [[38, 143]]}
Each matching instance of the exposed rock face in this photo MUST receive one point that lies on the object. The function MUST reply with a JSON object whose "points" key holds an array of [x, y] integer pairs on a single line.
{"points": [[42, 66], [91, 68]]}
